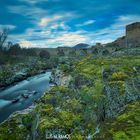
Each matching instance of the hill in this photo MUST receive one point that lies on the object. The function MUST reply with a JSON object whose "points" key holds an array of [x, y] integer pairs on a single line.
{"points": [[81, 45]]}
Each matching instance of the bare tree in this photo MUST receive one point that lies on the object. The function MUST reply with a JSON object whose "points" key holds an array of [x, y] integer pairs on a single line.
{"points": [[9, 44], [3, 36]]}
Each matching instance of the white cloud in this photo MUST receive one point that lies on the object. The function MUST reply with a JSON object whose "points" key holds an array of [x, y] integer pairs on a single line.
{"points": [[33, 13], [61, 25], [60, 39], [33, 1], [114, 31], [55, 19], [103, 41], [67, 39], [86, 23], [46, 20], [48, 37], [27, 44], [10, 27], [122, 21], [128, 19]]}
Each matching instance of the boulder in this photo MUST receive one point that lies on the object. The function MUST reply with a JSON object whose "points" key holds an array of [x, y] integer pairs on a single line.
{"points": [[25, 96], [16, 100]]}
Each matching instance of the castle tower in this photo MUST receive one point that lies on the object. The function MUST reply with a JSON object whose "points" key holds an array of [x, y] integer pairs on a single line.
{"points": [[133, 35]]}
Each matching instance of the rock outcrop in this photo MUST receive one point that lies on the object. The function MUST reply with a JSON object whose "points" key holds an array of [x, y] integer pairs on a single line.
{"points": [[60, 78], [116, 103]]}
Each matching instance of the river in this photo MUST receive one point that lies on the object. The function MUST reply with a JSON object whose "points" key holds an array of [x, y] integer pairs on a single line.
{"points": [[34, 87]]}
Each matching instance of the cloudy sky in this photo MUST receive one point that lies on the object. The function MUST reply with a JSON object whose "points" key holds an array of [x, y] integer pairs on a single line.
{"points": [[52, 23]]}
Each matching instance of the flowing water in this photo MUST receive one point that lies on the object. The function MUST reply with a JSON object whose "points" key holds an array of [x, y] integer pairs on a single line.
{"points": [[22, 95]]}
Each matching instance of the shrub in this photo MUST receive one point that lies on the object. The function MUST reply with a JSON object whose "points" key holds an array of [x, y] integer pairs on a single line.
{"points": [[119, 76], [44, 54]]}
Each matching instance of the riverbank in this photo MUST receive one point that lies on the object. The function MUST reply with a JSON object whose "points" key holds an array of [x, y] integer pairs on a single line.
{"points": [[20, 78], [12, 74]]}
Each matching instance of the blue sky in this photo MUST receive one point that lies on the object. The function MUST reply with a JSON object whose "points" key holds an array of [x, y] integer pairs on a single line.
{"points": [[52, 23]]}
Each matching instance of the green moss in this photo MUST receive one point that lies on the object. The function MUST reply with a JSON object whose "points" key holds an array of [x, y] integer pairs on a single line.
{"points": [[47, 98], [119, 76], [48, 123], [76, 137], [61, 89], [65, 68], [47, 110], [120, 85], [124, 127], [16, 128], [120, 135], [69, 119], [72, 105]]}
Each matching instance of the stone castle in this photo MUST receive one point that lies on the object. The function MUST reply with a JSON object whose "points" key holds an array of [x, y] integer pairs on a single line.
{"points": [[133, 35]]}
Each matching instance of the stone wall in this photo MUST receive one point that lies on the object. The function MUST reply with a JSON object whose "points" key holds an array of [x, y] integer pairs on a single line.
{"points": [[67, 51], [133, 35]]}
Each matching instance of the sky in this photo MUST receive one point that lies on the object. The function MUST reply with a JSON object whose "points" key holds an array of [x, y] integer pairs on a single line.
{"points": [[53, 23]]}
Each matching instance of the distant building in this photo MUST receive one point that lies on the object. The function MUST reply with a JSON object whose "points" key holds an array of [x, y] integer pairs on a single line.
{"points": [[133, 35]]}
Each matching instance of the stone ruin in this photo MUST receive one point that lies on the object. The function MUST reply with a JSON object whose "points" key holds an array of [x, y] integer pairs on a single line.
{"points": [[133, 35]]}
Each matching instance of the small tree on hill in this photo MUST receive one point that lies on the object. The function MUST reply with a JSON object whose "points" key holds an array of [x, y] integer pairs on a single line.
{"points": [[15, 49], [44, 54], [60, 52]]}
